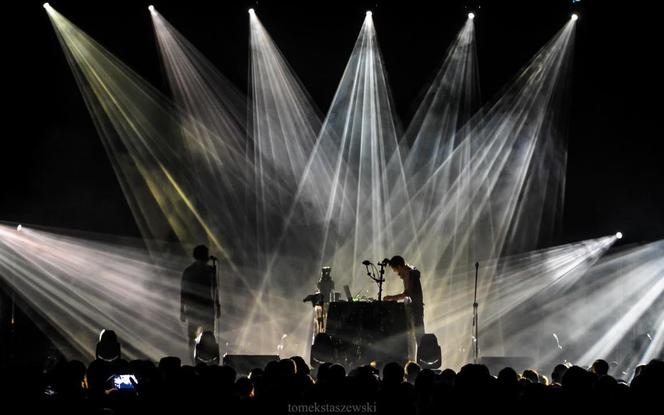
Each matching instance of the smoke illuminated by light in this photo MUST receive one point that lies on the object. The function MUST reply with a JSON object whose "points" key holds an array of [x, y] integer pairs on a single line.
{"points": [[279, 194], [82, 285]]}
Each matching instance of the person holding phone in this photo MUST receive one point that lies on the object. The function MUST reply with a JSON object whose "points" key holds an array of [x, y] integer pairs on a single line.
{"points": [[123, 382]]}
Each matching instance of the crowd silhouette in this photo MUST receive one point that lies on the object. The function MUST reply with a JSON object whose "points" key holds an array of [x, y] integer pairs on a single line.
{"points": [[289, 385]]}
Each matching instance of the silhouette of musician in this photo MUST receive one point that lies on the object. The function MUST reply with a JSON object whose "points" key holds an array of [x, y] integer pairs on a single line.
{"points": [[199, 296], [411, 296]]}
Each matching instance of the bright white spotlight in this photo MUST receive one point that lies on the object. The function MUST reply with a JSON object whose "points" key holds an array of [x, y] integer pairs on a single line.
{"points": [[251, 11], [19, 227], [619, 235], [151, 8], [471, 16], [369, 14], [575, 16], [46, 5]]}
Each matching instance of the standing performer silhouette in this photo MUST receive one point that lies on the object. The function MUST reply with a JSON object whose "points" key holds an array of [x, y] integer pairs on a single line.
{"points": [[412, 297], [199, 296]]}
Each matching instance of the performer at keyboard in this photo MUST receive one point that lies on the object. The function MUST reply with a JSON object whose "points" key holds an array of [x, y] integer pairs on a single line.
{"points": [[411, 296]]}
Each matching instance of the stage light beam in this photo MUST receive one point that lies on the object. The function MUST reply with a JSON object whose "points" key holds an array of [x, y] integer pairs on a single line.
{"points": [[280, 113], [575, 17], [46, 6], [151, 8], [619, 235]]}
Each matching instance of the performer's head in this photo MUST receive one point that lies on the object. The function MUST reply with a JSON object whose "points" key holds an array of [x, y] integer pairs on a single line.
{"points": [[201, 253], [398, 265], [326, 273]]}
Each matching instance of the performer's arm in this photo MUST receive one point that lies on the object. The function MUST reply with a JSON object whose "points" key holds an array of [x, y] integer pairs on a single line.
{"points": [[396, 297]]}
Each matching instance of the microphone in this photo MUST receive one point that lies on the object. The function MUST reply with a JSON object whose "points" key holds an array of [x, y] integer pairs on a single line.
{"points": [[366, 262]]}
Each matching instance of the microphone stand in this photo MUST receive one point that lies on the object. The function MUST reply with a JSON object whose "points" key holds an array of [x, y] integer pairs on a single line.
{"points": [[369, 273], [12, 324], [381, 280], [475, 318], [372, 275], [217, 306]]}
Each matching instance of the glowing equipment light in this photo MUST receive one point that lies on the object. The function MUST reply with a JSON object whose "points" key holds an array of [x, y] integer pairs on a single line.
{"points": [[575, 16], [471, 16], [619, 235]]}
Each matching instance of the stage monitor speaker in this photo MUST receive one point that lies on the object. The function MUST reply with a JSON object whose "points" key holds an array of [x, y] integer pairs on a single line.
{"points": [[244, 363], [322, 350], [518, 363], [429, 354]]}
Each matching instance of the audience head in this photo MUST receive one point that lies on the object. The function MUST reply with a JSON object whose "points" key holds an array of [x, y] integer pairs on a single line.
{"points": [[108, 347], [448, 377], [244, 387], [323, 372], [557, 374], [412, 370], [508, 377], [600, 367], [301, 365], [531, 375], [393, 374], [337, 373], [577, 380], [287, 368]]}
